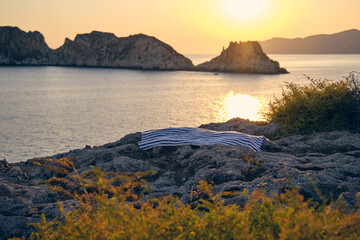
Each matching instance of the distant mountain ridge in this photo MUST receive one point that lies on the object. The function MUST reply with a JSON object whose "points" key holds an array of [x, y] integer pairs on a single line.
{"points": [[346, 42]]}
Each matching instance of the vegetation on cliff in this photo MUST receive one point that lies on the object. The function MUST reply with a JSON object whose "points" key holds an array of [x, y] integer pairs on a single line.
{"points": [[321, 106], [113, 206]]}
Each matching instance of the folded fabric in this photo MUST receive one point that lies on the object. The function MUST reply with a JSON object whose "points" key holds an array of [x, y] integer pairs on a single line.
{"points": [[198, 137]]}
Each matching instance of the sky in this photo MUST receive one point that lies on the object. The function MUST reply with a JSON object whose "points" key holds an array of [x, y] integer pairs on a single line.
{"points": [[189, 26]]}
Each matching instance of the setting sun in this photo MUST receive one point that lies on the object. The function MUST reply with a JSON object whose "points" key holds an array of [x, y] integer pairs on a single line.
{"points": [[241, 105], [244, 10]]}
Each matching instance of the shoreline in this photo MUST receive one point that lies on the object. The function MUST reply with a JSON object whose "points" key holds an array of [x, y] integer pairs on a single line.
{"points": [[138, 69], [331, 159]]}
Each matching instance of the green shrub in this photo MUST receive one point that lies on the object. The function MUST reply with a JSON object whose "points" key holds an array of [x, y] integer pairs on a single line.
{"points": [[321, 106], [113, 206]]}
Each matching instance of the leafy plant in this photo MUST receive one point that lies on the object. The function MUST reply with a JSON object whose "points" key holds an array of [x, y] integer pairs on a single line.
{"points": [[118, 206], [322, 105]]}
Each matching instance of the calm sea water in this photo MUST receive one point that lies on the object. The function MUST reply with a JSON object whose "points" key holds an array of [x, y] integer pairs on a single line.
{"points": [[47, 110]]}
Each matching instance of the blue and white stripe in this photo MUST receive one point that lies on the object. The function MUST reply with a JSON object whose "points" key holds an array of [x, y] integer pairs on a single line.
{"points": [[198, 137]]}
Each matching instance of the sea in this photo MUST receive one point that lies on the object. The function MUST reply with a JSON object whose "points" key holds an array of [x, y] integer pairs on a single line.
{"points": [[49, 110]]}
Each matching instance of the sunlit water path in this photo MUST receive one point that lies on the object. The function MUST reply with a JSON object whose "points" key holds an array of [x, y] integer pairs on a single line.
{"points": [[46, 110]]}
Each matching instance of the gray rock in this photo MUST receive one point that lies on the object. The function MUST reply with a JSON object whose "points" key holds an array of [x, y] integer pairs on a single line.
{"points": [[330, 159], [245, 126]]}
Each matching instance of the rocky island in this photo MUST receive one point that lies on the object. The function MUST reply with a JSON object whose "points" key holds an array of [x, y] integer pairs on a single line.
{"points": [[242, 57], [331, 159], [99, 49], [96, 49]]}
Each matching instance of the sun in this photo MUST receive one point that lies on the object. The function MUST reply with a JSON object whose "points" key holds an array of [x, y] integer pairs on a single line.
{"points": [[240, 105], [244, 10]]}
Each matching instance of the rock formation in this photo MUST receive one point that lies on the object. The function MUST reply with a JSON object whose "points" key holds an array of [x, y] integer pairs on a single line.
{"points": [[242, 57], [96, 49], [331, 159], [20, 48], [99, 49]]}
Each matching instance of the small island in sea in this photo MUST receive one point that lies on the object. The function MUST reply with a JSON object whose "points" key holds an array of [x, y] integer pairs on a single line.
{"points": [[100, 49], [242, 57]]}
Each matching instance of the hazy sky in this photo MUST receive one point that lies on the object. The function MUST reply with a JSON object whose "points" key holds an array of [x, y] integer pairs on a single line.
{"points": [[190, 26]]}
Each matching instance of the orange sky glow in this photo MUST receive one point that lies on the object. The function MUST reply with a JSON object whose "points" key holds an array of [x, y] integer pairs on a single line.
{"points": [[190, 26]]}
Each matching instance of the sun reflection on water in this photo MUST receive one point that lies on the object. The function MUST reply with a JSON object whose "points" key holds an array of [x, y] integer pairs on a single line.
{"points": [[240, 105]]}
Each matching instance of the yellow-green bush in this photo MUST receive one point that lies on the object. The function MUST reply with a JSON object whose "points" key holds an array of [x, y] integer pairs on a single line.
{"points": [[322, 105], [113, 206]]}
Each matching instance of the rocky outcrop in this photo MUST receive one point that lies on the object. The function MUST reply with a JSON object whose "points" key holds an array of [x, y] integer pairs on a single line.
{"points": [[331, 159], [20, 48], [242, 57], [245, 126], [96, 49], [99, 49]]}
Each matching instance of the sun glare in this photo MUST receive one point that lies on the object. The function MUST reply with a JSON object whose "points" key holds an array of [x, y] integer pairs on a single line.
{"points": [[240, 105], [244, 10]]}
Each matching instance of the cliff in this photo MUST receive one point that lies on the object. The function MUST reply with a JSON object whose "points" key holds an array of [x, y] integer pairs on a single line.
{"points": [[20, 48], [96, 49], [99, 49], [242, 57], [346, 42], [331, 159]]}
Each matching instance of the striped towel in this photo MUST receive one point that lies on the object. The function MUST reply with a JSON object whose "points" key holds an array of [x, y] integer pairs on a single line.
{"points": [[197, 136]]}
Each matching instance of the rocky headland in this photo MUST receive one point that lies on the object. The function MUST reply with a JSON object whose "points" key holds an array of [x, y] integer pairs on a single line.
{"points": [[242, 57], [99, 49], [330, 159], [20, 48], [95, 49]]}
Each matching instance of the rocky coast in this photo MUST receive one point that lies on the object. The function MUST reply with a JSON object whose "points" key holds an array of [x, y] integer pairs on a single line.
{"points": [[101, 49], [330, 159]]}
